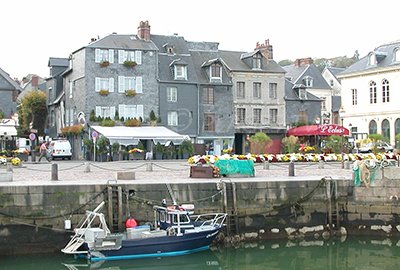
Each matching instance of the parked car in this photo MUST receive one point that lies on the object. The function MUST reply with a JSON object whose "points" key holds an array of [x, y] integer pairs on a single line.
{"points": [[378, 146], [60, 149]]}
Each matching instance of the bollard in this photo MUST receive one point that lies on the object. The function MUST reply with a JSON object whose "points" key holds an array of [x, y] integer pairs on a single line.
{"points": [[9, 167], [291, 168], [87, 167], [149, 167], [266, 165], [54, 171], [321, 164]]}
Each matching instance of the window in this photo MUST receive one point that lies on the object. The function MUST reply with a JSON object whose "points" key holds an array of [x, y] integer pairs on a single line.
{"points": [[308, 81], [216, 72], [257, 90], [241, 115], [172, 94], [172, 118], [105, 111], [273, 90], [373, 128], [257, 116], [303, 116], [331, 83], [208, 95], [397, 55], [302, 93], [180, 72], [129, 56], [240, 90], [257, 61], [71, 88], [103, 84], [386, 129], [209, 122], [130, 83], [130, 111], [354, 96], [372, 92], [323, 104], [273, 115], [385, 91], [15, 94], [103, 55], [371, 59]]}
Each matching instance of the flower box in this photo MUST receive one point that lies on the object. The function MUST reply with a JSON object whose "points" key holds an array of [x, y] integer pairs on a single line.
{"points": [[201, 172], [130, 93], [130, 64], [104, 92], [104, 64]]}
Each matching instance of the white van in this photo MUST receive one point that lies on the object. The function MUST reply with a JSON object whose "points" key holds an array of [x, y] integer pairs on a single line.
{"points": [[60, 149]]}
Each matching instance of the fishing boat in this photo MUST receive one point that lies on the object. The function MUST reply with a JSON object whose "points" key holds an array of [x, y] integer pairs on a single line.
{"points": [[176, 231]]}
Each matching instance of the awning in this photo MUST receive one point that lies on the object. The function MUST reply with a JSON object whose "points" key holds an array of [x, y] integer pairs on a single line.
{"points": [[322, 130], [8, 131], [131, 135]]}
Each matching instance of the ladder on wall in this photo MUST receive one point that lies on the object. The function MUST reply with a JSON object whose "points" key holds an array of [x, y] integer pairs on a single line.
{"points": [[115, 207], [230, 207]]}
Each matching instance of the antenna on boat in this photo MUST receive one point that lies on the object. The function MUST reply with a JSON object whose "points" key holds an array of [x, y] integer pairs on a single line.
{"points": [[170, 193]]}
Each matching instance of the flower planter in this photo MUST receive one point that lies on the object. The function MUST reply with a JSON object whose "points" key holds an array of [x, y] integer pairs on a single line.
{"points": [[23, 157], [201, 172], [139, 156]]}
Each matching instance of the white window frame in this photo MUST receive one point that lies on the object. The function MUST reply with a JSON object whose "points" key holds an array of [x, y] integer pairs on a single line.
{"points": [[172, 94], [241, 92], [219, 78], [257, 115], [130, 111], [273, 90], [372, 59], [308, 81], [354, 100], [172, 118], [103, 55], [180, 72], [256, 90], [129, 55], [104, 84], [273, 115], [105, 111]]}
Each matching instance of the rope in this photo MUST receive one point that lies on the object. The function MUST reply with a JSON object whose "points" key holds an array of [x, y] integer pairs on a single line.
{"points": [[70, 168], [41, 227], [165, 168], [56, 216]]}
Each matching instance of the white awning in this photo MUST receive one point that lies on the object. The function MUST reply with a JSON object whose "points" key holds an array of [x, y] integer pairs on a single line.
{"points": [[131, 135], [7, 131]]}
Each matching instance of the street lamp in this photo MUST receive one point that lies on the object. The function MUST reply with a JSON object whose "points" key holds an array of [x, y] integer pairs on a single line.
{"points": [[341, 114]]}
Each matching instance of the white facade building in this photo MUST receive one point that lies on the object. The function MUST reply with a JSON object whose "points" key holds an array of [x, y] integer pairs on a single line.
{"points": [[369, 94]]}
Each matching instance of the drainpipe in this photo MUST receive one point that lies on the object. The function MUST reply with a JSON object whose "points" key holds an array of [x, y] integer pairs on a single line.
{"points": [[198, 110]]}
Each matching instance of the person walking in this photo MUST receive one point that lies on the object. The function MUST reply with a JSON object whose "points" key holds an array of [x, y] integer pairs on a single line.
{"points": [[43, 151]]}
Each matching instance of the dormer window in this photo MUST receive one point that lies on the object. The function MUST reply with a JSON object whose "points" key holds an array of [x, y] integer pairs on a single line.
{"points": [[180, 72], [302, 93], [396, 57], [257, 61], [170, 50], [308, 81], [216, 72], [371, 59]]}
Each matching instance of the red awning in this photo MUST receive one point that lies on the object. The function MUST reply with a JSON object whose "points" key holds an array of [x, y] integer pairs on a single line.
{"points": [[322, 130]]}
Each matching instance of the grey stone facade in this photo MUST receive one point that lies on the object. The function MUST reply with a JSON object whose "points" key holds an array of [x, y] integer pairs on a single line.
{"points": [[9, 90]]}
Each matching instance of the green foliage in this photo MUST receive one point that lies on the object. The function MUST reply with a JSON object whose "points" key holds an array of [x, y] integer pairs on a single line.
{"points": [[133, 122], [129, 63], [259, 141], [186, 147], [116, 116], [333, 144], [140, 145], [291, 144], [153, 116], [102, 145], [285, 62], [115, 148], [107, 123], [160, 148], [1, 114], [32, 109], [397, 141], [376, 137], [299, 124], [92, 116], [88, 143]]}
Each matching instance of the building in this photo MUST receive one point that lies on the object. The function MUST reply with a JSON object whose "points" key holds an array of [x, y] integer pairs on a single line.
{"points": [[304, 72], [330, 76], [9, 91], [369, 99]]}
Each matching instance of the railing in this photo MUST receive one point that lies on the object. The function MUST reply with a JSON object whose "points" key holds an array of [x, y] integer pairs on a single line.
{"points": [[211, 219]]}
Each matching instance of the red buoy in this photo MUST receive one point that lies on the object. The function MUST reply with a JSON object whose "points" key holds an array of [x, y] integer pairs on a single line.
{"points": [[130, 223]]}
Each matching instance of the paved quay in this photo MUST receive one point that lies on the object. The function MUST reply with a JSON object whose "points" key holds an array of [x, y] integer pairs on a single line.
{"points": [[174, 171]]}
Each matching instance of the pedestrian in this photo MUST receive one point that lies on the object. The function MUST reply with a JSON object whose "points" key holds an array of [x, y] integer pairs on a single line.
{"points": [[43, 151]]}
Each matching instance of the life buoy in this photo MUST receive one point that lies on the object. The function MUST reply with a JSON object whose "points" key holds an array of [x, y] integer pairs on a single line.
{"points": [[130, 223]]}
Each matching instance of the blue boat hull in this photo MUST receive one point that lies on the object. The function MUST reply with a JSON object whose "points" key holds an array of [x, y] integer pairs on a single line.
{"points": [[158, 246]]}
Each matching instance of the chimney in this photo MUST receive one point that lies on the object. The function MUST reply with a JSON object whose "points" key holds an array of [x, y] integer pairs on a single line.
{"points": [[144, 31], [265, 49], [35, 81], [303, 61]]}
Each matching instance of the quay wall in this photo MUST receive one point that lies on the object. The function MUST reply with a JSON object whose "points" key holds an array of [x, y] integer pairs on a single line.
{"points": [[33, 217]]}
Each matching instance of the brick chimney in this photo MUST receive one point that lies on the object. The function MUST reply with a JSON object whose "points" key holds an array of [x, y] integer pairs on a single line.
{"points": [[144, 31], [35, 81], [265, 49], [303, 61]]}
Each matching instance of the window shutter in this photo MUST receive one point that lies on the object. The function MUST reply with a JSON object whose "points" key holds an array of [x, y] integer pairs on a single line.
{"points": [[138, 57], [139, 111], [97, 84], [121, 56], [121, 84], [70, 89], [112, 112], [111, 56], [139, 85], [111, 84], [121, 110], [98, 111], [97, 56]]}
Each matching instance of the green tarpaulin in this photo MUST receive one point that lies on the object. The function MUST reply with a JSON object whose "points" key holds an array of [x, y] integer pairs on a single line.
{"points": [[229, 167]]}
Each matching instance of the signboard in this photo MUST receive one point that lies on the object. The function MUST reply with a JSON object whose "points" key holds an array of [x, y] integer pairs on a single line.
{"points": [[33, 130], [32, 136], [95, 134]]}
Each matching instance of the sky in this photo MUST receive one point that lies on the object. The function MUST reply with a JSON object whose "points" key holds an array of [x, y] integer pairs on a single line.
{"points": [[33, 31]]}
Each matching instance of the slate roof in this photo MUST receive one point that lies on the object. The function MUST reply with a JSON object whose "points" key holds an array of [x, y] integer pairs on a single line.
{"points": [[335, 71], [385, 57], [123, 42], [301, 72], [336, 103], [58, 62], [292, 94], [7, 77]]}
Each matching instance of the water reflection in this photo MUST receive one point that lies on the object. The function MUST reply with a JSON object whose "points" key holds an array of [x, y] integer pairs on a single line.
{"points": [[334, 254]]}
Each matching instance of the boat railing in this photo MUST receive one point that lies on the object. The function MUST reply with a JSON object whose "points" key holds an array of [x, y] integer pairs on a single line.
{"points": [[213, 219]]}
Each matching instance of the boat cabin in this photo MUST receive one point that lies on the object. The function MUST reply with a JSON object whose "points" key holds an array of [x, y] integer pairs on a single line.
{"points": [[174, 219]]}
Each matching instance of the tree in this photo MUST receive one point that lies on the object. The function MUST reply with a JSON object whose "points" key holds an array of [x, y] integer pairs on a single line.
{"points": [[259, 142], [1, 114], [290, 143], [285, 62], [32, 109]]}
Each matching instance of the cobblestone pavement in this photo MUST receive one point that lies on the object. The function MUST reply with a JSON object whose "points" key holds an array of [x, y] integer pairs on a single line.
{"points": [[73, 173]]}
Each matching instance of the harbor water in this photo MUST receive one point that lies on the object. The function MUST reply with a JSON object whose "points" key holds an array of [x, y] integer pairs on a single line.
{"points": [[332, 254]]}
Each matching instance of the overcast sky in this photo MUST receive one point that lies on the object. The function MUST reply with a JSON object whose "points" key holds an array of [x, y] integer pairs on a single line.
{"points": [[33, 31]]}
